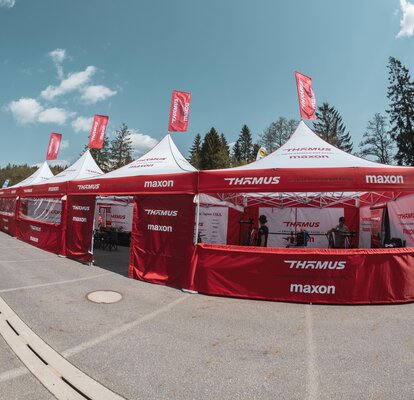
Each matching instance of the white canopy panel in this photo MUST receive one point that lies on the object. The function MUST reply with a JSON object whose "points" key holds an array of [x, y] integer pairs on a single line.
{"points": [[42, 174]]}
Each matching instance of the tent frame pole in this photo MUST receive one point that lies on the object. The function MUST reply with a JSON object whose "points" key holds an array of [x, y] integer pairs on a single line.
{"points": [[197, 219]]}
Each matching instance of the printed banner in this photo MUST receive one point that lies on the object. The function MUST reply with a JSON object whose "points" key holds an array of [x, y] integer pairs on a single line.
{"points": [[365, 224], [262, 153], [5, 184], [306, 275], [307, 99], [81, 210], [45, 236], [179, 112], [8, 225], [97, 135], [212, 225], [162, 240], [54, 146], [285, 222], [401, 215]]}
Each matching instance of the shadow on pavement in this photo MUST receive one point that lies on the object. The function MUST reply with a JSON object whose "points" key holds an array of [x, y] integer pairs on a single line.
{"points": [[115, 261]]}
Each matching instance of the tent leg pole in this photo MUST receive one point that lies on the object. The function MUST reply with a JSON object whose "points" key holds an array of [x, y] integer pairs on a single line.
{"points": [[197, 220]]}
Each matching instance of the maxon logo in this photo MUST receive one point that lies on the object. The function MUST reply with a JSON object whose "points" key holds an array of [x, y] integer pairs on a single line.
{"points": [[318, 289], [384, 179]]}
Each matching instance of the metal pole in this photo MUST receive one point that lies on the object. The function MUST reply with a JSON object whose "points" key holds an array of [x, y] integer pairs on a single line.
{"points": [[197, 199]]}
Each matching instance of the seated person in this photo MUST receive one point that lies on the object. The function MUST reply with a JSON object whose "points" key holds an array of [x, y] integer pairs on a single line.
{"points": [[337, 235], [263, 232]]}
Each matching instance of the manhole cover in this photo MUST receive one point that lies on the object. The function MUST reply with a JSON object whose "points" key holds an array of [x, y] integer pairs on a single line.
{"points": [[104, 296]]}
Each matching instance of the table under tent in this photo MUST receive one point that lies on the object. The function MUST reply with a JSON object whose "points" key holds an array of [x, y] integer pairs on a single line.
{"points": [[303, 188], [43, 207], [9, 198], [162, 185]]}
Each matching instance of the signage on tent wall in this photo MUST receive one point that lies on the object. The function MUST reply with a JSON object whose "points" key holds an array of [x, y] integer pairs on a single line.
{"points": [[284, 222], [179, 111], [54, 146], [97, 135], [6, 183], [401, 218], [212, 225], [307, 99]]}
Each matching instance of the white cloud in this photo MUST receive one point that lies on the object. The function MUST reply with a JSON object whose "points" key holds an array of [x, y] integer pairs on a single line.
{"points": [[73, 82], [57, 57], [7, 3], [82, 124], [54, 116], [93, 94], [64, 144], [142, 143], [407, 19], [25, 110]]}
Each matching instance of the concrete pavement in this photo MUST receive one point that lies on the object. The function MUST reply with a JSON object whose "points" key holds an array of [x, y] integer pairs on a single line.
{"points": [[160, 343]]}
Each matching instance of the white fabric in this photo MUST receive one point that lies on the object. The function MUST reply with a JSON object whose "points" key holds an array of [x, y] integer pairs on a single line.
{"points": [[84, 168], [212, 225], [305, 149], [365, 228], [206, 199], [401, 216], [317, 222], [163, 158], [42, 174]]}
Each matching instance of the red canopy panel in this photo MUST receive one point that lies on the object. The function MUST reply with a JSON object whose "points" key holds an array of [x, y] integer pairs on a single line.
{"points": [[307, 180], [144, 184]]}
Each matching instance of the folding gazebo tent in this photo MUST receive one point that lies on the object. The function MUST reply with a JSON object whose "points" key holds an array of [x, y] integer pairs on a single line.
{"points": [[163, 184], [9, 198], [307, 164], [42, 208]]}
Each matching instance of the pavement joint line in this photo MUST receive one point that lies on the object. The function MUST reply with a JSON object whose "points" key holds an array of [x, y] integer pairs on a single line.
{"points": [[54, 283], [17, 372], [312, 381], [61, 378]]}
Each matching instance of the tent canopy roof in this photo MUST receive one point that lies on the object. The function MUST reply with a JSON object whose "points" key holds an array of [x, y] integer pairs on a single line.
{"points": [[41, 175], [85, 167], [163, 158]]}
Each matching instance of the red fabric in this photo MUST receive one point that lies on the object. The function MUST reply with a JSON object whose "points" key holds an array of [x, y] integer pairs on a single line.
{"points": [[306, 180], [179, 112], [97, 135], [307, 100], [355, 276], [80, 215], [42, 235], [233, 226], [162, 240], [54, 146], [161, 184], [44, 190], [8, 224]]}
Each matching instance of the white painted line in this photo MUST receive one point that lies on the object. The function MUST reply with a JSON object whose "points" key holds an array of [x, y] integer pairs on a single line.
{"points": [[17, 372], [122, 329], [54, 283], [60, 377], [312, 378]]}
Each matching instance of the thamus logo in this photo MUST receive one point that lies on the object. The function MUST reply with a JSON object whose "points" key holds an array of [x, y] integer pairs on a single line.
{"points": [[315, 264], [254, 180]]}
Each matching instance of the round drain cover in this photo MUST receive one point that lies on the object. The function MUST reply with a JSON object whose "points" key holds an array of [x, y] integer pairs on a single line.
{"points": [[104, 296]]}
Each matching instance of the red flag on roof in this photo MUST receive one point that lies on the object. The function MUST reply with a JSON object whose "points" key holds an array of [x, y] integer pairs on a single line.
{"points": [[179, 112], [97, 135], [54, 145], [307, 100]]}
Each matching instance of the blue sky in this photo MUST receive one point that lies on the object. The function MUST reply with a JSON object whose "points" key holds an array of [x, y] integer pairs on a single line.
{"points": [[64, 61]]}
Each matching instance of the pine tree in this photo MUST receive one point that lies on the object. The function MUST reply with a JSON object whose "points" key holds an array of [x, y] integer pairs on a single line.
{"points": [[377, 141], [331, 128], [195, 152], [121, 148], [246, 146], [237, 155], [401, 111], [102, 156], [212, 151], [277, 133]]}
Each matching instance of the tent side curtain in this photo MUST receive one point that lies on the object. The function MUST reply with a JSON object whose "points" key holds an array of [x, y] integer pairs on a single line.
{"points": [[46, 210], [307, 180], [183, 183]]}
